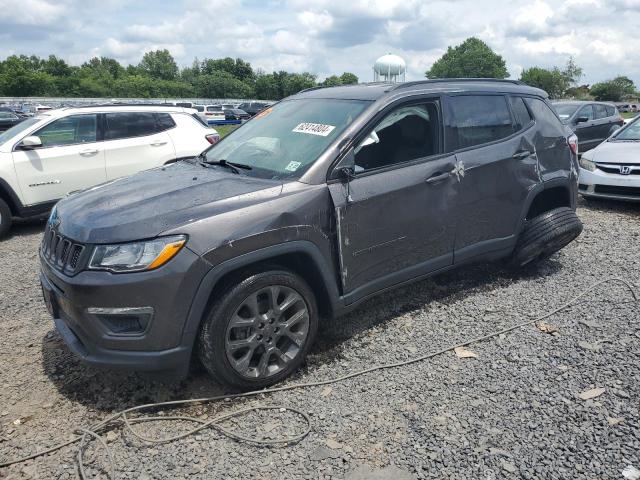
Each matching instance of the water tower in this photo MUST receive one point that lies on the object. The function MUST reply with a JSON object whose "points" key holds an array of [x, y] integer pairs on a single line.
{"points": [[389, 68]]}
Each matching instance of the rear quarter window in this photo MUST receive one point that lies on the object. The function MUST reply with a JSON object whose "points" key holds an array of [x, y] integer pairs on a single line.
{"points": [[477, 119], [520, 112], [165, 121]]}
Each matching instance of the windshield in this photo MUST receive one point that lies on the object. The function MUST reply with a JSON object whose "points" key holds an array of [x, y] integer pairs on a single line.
{"points": [[565, 111], [630, 132], [284, 140], [17, 129]]}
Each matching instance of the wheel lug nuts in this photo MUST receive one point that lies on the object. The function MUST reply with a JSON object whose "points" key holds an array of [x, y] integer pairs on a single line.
{"points": [[261, 325], [259, 337]]}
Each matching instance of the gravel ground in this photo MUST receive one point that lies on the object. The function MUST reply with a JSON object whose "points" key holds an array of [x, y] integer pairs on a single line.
{"points": [[512, 412]]}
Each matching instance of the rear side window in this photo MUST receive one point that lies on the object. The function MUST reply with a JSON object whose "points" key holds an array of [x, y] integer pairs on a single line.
{"points": [[70, 130], [165, 122], [129, 124], [547, 121], [601, 111], [474, 120], [520, 112]]}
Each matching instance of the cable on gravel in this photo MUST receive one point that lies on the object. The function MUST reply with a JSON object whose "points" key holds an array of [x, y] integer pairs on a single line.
{"points": [[123, 420]]}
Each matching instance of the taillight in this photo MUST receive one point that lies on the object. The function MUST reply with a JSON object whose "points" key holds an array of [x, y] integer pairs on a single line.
{"points": [[212, 138], [573, 143]]}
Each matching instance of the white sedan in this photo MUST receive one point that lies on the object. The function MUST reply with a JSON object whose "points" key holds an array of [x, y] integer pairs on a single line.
{"points": [[612, 169]]}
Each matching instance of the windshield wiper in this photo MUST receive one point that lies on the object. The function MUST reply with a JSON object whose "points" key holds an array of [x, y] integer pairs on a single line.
{"points": [[235, 167]]}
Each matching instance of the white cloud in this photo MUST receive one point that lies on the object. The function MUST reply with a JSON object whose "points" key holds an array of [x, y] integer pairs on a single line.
{"points": [[31, 12]]}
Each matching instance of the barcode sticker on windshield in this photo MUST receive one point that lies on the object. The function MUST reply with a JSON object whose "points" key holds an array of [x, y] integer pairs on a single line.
{"points": [[293, 166], [314, 129]]}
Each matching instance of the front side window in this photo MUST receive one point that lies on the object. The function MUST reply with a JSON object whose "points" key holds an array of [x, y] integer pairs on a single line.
{"points": [[601, 111], [129, 124], [586, 113], [477, 119], [406, 134], [70, 130], [286, 139]]}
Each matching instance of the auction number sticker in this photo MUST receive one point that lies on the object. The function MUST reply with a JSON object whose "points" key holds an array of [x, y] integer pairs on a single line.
{"points": [[293, 166], [314, 129]]}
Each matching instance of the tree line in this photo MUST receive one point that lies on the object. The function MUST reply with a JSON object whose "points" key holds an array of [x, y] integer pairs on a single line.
{"points": [[156, 76], [473, 58]]}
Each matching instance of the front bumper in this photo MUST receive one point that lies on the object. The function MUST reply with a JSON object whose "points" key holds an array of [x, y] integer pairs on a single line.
{"points": [[599, 184], [160, 345]]}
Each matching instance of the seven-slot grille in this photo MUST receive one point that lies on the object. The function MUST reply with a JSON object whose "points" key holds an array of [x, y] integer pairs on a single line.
{"points": [[60, 252]]}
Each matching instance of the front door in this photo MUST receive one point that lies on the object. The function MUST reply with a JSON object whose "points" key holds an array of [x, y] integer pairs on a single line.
{"points": [[587, 131], [395, 217], [71, 158]]}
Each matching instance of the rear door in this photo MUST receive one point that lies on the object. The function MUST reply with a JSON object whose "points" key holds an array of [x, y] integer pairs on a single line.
{"points": [[135, 141], [496, 150], [71, 158]]}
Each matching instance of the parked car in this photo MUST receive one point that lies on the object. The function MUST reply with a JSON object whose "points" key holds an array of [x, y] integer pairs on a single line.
{"points": [[236, 114], [612, 169], [592, 122], [45, 157], [252, 108], [214, 113], [302, 214], [8, 120]]}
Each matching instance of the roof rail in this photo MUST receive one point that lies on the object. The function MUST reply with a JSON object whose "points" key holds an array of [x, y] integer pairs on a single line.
{"points": [[456, 80], [311, 88], [125, 104]]}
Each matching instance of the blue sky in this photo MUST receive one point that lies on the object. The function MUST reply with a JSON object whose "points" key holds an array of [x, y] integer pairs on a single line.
{"points": [[329, 37]]}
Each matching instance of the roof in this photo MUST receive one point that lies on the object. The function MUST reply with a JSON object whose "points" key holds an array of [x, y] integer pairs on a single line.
{"points": [[374, 91], [63, 111]]}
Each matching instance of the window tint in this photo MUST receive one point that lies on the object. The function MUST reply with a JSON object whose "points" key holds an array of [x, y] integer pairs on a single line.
{"points": [[406, 134], [547, 121], [69, 131], [520, 112], [7, 116], [474, 120], [586, 112], [611, 111], [129, 124], [165, 122], [601, 111]]}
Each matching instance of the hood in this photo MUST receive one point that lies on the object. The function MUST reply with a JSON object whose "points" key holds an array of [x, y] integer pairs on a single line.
{"points": [[616, 152], [148, 203]]}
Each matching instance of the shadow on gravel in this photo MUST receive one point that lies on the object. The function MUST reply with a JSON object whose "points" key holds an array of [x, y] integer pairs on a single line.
{"points": [[27, 227], [108, 390], [604, 205]]}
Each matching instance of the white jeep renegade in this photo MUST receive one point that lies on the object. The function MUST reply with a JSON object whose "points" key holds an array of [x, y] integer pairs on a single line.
{"points": [[60, 151]]}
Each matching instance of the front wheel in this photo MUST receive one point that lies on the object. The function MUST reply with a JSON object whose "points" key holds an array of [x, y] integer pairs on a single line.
{"points": [[5, 218], [546, 234], [259, 331]]}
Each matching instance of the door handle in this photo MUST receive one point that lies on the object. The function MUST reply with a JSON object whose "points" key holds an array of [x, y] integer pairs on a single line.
{"points": [[88, 153], [522, 154], [157, 143], [438, 178]]}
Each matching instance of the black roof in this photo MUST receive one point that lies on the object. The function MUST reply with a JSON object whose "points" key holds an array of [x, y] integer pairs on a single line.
{"points": [[373, 91]]}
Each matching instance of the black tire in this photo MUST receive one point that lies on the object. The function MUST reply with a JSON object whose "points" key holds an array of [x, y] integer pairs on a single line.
{"points": [[215, 340], [546, 234], [5, 218]]}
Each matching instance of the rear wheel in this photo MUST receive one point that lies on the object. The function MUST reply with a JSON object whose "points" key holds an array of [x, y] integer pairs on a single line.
{"points": [[546, 234], [5, 218], [259, 331]]}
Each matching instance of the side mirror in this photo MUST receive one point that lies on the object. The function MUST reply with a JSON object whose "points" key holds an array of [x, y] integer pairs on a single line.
{"points": [[29, 143], [345, 170], [582, 119]]}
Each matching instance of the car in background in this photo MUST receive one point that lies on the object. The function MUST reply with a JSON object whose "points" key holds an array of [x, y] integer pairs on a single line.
{"points": [[252, 108], [236, 114], [8, 120], [214, 113], [46, 157], [612, 169], [592, 122]]}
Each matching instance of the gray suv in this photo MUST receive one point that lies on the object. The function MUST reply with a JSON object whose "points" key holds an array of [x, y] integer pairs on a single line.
{"points": [[592, 122], [318, 203]]}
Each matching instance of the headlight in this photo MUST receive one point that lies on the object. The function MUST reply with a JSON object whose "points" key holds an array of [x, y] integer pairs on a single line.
{"points": [[587, 164], [136, 256]]}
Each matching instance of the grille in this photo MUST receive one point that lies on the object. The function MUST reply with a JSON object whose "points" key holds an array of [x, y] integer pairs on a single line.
{"points": [[60, 252], [611, 169], [613, 190]]}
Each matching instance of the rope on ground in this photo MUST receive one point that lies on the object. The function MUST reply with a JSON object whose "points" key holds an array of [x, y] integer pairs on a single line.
{"points": [[123, 419]]}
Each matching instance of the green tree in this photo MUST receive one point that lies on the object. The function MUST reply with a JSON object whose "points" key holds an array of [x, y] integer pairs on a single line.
{"points": [[614, 90], [331, 81], [238, 68], [471, 59], [221, 84], [159, 64], [554, 81], [348, 78]]}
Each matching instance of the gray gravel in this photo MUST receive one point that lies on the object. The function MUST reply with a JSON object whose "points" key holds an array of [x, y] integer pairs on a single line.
{"points": [[512, 412]]}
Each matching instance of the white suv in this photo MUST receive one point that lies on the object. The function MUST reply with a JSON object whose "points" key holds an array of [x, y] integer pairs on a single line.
{"points": [[48, 156]]}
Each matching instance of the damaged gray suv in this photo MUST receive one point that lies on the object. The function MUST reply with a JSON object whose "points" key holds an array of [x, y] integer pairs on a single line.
{"points": [[318, 203]]}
